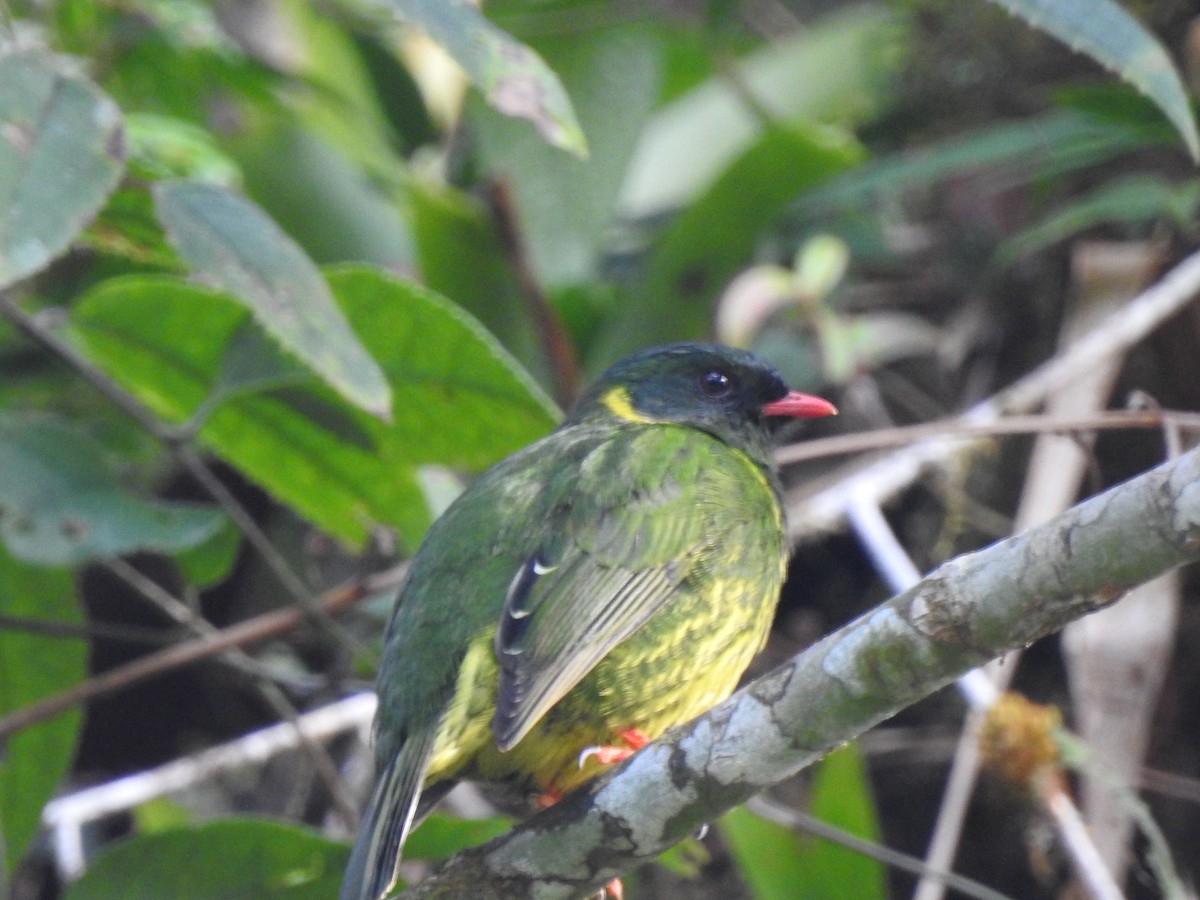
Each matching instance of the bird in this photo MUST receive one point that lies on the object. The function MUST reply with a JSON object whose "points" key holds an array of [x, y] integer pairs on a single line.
{"points": [[607, 582]]}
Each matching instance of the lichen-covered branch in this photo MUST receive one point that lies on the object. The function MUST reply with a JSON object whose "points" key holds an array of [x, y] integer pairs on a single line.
{"points": [[969, 610]]}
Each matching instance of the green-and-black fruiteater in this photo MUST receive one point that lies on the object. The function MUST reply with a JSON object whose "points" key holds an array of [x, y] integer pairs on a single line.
{"points": [[590, 591]]}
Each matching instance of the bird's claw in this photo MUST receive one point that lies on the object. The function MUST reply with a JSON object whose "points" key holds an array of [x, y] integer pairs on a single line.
{"points": [[606, 755]]}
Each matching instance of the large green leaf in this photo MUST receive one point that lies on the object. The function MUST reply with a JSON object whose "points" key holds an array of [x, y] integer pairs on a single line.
{"points": [[460, 399], [841, 796], [1110, 35], [778, 863], [61, 153], [230, 859], [1013, 152], [232, 243], [34, 666], [837, 70], [326, 163], [564, 205], [461, 257], [1132, 200], [511, 76], [768, 856], [60, 504], [707, 244]]}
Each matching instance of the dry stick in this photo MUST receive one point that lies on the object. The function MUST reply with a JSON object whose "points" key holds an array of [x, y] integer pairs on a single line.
{"points": [[67, 816], [344, 804], [553, 336], [173, 440], [949, 429], [154, 664], [128, 634], [806, 823], [825, 509]]}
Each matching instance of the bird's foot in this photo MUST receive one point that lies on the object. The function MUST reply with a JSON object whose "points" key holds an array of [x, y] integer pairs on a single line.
{"points": [[548, 798], [614, 890], [606, 755]]}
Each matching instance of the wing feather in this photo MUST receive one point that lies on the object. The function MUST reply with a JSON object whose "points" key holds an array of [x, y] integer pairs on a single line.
{"points": [[625, 540]]}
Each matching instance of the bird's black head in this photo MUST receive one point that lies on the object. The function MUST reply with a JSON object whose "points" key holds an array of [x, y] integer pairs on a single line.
{"points": [[725, 392]]}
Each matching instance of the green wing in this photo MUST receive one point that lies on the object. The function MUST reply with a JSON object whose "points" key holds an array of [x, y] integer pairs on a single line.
{"points": [[642, 515]]}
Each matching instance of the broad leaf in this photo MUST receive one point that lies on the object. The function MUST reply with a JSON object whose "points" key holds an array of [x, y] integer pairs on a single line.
{"points": [[704, 248], [835, 71], [34, 666], [1010, 152], [565, 205], [230, 859], [235, 245], [779, 863], [512, 77], [460, 399], [440, 836], [841, 796], [1108, 34], [61, 154], [60, 504]]}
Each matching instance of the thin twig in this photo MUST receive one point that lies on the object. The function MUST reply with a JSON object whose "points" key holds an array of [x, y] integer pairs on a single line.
{"points": [[553, 336], [951, 429], [74, 631], [801, 821], [884, 478], [162, 599], [155, 664], [65, 816]]}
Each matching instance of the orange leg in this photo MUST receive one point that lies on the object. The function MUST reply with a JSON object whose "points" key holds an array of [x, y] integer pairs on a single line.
{"points": [[614, 890], [606, 755], [548, 798]]}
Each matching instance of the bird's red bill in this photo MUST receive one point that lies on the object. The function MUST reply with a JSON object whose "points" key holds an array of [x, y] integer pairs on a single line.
{"points": [[800, 406]]}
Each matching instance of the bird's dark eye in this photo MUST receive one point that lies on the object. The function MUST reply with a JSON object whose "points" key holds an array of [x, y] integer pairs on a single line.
{"points": [[715, 384]]}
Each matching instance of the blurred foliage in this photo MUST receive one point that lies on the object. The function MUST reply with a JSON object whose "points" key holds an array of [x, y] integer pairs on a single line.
{"points": [[503, 203]]}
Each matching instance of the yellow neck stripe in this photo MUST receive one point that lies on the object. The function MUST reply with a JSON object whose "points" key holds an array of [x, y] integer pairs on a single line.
{"points": [[616, 401]]}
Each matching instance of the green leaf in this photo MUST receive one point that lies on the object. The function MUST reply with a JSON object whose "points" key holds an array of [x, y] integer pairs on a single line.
{"points": [[835, 71], [460, 399], [61, 154], [231, 242], [163, 147], [230, 859], [768, 856], [565, 205], [708, 243], [34, 666], [777, 863], [60, 504], [441, 836], [460, 256], [511, 76], [326, 163], [1018, 152], [1132, 200], [1107, 33], [841, 796], [208, 563]]}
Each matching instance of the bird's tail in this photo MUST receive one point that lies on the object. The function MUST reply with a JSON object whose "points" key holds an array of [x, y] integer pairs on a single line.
{"points": [[375, 860]]}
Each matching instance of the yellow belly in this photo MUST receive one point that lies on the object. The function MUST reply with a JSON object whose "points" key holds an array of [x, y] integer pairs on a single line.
{"points": [[683, 661]]}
